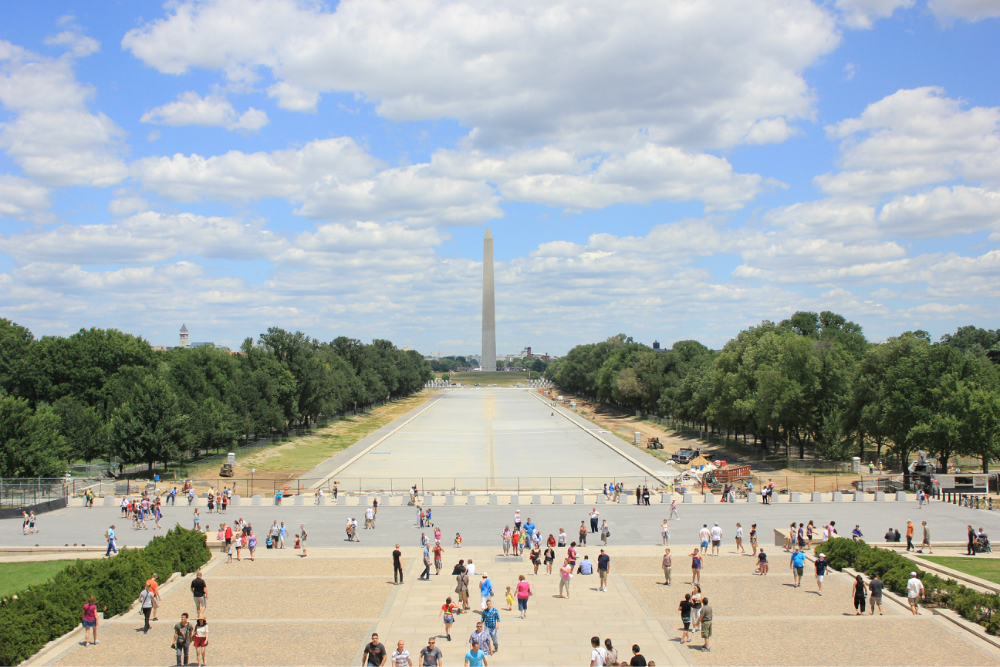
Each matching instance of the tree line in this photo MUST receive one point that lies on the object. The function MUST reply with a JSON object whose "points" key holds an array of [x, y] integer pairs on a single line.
{"points": [[101, 392], [811, 380]]}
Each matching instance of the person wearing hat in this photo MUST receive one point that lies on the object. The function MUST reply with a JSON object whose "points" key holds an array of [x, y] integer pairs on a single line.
{"points": [[486, 589], [914, 591], [821, 566]]}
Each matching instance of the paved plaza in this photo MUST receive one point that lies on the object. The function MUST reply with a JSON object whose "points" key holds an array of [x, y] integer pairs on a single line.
{"points": [[287, 610]]}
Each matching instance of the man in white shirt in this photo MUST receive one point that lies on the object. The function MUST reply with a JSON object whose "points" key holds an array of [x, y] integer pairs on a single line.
{"points": [[470, 569], [704, 535], [369, 518], [716, 539], [401, 657], [598, 656], [914, 591]]}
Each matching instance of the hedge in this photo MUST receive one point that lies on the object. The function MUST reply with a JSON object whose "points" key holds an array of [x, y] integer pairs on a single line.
{"points": [[45, 612], [981, 608]]}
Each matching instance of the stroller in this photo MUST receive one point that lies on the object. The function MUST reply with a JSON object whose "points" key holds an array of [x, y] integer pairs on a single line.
{"points": [[983, 544]]}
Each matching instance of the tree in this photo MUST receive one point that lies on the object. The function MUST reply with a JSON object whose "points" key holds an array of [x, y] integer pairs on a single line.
{"points": [[30, 442], [145, 424], [82, 427]]}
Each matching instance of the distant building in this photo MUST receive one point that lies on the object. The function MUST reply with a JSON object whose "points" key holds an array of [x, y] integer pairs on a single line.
{"points": [[158, 348], [656, 345], [184, 336], [202, 345]]}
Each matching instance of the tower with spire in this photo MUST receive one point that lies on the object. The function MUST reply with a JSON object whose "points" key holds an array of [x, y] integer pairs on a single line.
{"points": [[489, 360], [184, 335]]}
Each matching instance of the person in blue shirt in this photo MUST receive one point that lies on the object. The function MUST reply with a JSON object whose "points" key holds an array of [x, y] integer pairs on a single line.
{"points": [[491, 618], [486, 589], [603, 563], [530, 527], [797, 563], [586, 567], [110, 534], [475, 657]]}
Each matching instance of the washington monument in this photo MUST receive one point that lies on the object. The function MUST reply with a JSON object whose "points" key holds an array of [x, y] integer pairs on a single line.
{"points": [[489, 360]]}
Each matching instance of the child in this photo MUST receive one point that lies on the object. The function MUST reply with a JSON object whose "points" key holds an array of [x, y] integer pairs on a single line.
{"points": [[510, 599], [458, 541], [298, 545], [229, 553], [427, 521]]}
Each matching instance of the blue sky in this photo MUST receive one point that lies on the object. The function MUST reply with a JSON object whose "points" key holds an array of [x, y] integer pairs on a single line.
{"points": [[669, 170]]}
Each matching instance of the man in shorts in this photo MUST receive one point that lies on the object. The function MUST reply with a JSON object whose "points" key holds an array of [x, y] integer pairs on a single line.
{"points": [[706, 623], [703, 536], [927, 539], [876, 586], [716, 534], [155, 590], [914, 591], [797, 562], [603, 563], [200, 592], [821, 566], [668, 563]]}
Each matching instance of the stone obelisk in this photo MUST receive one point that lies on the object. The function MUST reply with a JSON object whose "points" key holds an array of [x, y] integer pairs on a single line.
{"points": [[489, 360]]}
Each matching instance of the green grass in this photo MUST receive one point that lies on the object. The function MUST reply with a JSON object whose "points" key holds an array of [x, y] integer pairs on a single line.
{"points": [[16, 577], [500, 378], [984, 568]]}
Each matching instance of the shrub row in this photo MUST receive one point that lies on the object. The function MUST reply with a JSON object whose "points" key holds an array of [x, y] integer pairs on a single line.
{"points": [[47, 611], [981, 608]]}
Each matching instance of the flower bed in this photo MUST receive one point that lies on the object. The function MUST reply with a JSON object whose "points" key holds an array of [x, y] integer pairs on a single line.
{"points": [[981, 608], [42, 613]]}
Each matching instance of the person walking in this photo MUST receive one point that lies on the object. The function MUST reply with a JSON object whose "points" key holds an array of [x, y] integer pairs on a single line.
{"points": [[476, 657], [860, 592], [594, 515], [603, 565], [426, 574], [447, 615], [605, 532], [971, 547], [706, 623], [302, 538], [146, 598], [438, 552], [155, 587], [201, 641], [374, 654], [565, 572], [196, 519], [673, 510], [481, 637], [90, 621], [523, 592], [583, 533], [645, 495], [927, 539], [182, 639], [109, 535], [797, 564], [199, 589], [401, 657], [914, 591], [485, 590], [875, 587], [909, 536], [491, 619], [668, 563], [397, 566], [430, 655], [549, 557], [535, 557], [716, 535], [665, 532], [821, 566], [739, 539], [462, 589], [685, 608]]}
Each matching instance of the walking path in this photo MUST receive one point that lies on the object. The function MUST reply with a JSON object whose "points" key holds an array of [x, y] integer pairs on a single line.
{"points": [[320, 610]]}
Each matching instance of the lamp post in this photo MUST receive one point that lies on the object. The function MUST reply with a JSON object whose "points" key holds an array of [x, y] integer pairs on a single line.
{"points": [[252, 471]]}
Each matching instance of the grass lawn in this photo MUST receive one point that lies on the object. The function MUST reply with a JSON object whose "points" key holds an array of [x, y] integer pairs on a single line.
{"points": [[501, 378], [16, 577], [984, 568], [309, 451]]}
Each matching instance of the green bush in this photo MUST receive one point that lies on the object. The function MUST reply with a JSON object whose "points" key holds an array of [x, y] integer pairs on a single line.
{"points": [[49, 610], [981, 608]]}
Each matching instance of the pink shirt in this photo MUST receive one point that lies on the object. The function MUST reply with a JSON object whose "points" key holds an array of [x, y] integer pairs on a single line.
{"points": [[564, 571], [523, 589], [90, 612]]}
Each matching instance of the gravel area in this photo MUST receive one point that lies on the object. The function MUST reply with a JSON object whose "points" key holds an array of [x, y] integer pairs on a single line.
{"points": [[916, 642], [307, 567]]}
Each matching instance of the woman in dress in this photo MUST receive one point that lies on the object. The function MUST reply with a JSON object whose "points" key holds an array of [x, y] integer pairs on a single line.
{"points": [[201, 640], [251, 543], [535, 557], [696, 564], [448, 616], [211, 502], [90, 621], [859, 591], [696, 608], [612, 653], [197, 519]]}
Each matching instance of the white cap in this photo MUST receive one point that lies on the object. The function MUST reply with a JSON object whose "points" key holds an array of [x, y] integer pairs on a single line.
{"points": [[913, 574]]}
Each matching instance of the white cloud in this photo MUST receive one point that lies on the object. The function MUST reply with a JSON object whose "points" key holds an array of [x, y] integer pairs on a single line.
{"points": [[970, 10], [825, 218], [123, 205], [53, 137], [212, 111], [80, 45], [862, 14], [913, 138], [21, 198], [943, 211], [600, 76]]}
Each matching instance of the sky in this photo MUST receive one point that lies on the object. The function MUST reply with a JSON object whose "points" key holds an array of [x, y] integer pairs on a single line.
{"points": [[671, 170]]}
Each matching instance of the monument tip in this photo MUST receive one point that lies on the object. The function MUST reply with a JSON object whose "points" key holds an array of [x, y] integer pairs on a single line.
{"points": [[488, 234]]}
